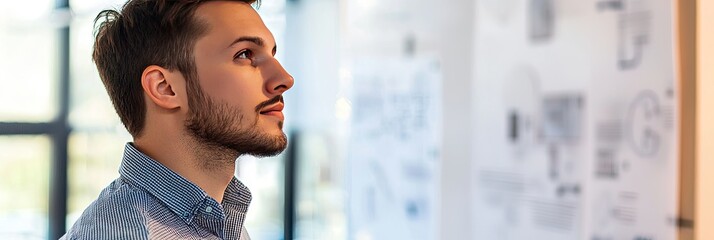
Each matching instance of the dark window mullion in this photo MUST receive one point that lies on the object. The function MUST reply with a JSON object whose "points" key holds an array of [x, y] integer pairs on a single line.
{"points": [[20, 128], [60, 136]]}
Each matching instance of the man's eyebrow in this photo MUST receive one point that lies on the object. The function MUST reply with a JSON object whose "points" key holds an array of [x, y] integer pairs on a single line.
{"points": [[256, 40]]}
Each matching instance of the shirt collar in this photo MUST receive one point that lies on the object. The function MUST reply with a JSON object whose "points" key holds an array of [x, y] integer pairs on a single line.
{"points": [[179, 194], [237, 193]]}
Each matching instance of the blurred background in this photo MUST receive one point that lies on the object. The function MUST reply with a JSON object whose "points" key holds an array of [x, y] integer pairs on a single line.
{"points": [[462, 119]]}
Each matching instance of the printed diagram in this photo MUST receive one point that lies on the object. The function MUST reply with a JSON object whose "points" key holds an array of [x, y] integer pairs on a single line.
{"points": [[645, 121], [634, 29], [536, 183], [612, 211], [633, 162], [609, 135], [541, 20], [394, 148], [563, 117], [573, 143], [522, 98], [641, 127], [562, 127]]}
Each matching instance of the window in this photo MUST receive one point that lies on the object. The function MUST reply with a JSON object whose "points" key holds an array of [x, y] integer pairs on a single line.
{"points": [[24, 197]]}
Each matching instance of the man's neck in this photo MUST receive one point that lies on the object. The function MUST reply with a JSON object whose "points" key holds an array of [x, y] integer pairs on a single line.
{"points": [[212, 169]]}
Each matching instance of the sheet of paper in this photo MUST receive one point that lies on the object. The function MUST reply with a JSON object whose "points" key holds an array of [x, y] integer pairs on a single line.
{"points": [[633, 157], [393, 156]]}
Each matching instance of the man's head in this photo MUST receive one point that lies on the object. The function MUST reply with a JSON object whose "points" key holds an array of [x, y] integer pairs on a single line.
{"points": [[208, 64]]}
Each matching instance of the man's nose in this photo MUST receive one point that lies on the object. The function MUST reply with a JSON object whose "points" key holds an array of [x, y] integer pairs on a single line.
{"points": [[278, 79]]}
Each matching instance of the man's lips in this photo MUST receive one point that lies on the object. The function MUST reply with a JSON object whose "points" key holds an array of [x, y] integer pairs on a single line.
{"points": [[275, 110]]}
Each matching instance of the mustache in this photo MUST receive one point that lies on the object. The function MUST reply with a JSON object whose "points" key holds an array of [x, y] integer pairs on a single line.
{"points": [[272, 101]]}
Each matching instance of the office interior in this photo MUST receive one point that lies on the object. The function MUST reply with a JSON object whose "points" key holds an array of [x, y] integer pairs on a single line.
{"points": [[460, 119]]}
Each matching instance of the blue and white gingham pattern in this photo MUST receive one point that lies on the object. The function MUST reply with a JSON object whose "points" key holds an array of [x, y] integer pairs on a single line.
{"points": [[149, 201]]}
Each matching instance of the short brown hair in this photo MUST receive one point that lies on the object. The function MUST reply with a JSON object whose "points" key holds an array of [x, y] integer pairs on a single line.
{"points": [[144, 33]]}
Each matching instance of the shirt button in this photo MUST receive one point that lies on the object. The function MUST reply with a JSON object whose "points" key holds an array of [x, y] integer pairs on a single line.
{"points": [[209, 209]]}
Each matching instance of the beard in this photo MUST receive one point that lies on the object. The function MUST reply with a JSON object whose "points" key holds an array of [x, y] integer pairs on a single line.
{"points": [[221, 127]]}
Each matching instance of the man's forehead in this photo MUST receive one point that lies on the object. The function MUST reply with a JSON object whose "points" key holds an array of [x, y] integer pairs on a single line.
{"points": [[229, 18]]}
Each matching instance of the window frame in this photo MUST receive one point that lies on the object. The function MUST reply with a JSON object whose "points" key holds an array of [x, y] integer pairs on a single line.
{"points": [[58, 131]]}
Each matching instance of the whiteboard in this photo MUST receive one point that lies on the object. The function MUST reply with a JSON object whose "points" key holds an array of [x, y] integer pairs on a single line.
{"points": [[575, 134]]}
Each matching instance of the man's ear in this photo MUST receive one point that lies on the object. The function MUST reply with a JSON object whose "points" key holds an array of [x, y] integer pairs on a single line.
{"points": [[158, 88]]}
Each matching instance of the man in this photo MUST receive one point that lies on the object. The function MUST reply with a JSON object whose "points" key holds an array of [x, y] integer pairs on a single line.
{"points": [[196, 84]]}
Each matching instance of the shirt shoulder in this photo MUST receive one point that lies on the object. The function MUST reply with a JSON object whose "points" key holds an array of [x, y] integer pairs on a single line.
{"points": [[120, 212]]}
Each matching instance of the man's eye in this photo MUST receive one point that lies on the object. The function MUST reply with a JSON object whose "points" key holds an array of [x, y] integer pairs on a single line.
{"points": [[245, 54]]}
